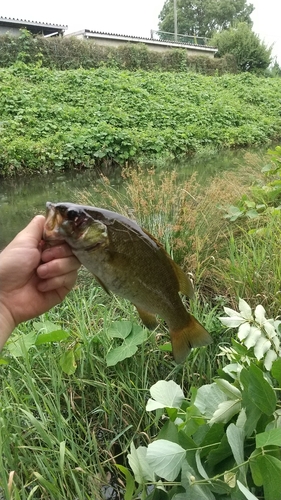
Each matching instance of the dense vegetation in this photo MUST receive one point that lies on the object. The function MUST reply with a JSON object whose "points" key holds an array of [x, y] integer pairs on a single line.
{"points": [[52, 120], [71, 408], [71, 53]]}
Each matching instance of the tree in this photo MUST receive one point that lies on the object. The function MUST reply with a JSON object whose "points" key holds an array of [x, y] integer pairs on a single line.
{"points": [[204, 17], [251, 54]]}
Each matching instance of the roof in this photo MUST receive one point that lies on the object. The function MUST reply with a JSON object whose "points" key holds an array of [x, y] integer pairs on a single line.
{"points": [[5, 21], [128, 38]]}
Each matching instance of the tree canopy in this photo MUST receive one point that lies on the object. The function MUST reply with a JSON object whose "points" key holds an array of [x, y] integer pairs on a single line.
{"points": [[204, 17], [251, 54]]}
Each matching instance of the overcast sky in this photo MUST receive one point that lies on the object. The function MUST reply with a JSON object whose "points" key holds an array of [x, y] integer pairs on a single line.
{"points": [[130, 17]]}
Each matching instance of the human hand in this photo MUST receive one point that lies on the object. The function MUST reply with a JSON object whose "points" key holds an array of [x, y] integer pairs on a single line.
{"points": [[33, 279]]}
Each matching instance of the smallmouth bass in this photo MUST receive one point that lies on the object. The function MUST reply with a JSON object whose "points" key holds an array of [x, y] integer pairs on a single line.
{"points": [[128, 261]]}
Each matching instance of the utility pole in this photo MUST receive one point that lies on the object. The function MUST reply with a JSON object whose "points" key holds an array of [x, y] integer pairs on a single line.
{"points": [[175, 20]]}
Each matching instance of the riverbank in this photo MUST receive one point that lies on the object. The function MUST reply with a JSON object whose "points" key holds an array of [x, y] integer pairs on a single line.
{"points": [[57, 120]]}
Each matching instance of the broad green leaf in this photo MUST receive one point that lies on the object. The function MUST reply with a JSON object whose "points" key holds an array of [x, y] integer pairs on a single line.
{"points": [[137, 459], [276, 370], [255, 468], [138, 335], [235, 437], [165, 394], [200, 467], [258, 389], [246, 492], [120, 353], [252, 214], [270, 468], [165, 458], [67, 362], [169, 431], [225, 411], [45, 326], [208, 398], [120, 329], [268, 438], [229, 389], [21, 344], [55, 336]]}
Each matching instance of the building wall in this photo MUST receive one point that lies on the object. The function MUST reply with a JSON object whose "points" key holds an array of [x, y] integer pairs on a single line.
{"points": [[150, 45], [4, 30]]}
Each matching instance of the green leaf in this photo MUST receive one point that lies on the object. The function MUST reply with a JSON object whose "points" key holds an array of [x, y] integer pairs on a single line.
{"points": [[245, 491], [259, 391], [139, 465], [55, 336], [169, 432], [19, 345], [255, 469], [67, 362], [120, 329], [208, 398], [193, 491], [4, 361], [165, 394], [130, 482], [120, 353], [45, 326], [268, 438], [276, 370], [165, 458], [137, 336], [270, 468], [235, 437]]}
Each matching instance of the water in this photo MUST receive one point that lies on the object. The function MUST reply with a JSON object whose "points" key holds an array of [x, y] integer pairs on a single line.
{"points": [[23, 197]]}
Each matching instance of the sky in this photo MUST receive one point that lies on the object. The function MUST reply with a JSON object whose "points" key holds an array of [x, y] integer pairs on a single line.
{"points": [[130, 17]]}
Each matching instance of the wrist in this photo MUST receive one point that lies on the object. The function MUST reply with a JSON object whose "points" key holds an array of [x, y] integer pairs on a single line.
{"points": [[7, 324]]}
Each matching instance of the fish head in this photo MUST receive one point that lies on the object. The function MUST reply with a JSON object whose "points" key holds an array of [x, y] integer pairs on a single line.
{"points": [[73, 224]]}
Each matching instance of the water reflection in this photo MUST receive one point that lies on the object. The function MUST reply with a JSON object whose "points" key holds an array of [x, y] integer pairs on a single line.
{"points": [[23, 197]]}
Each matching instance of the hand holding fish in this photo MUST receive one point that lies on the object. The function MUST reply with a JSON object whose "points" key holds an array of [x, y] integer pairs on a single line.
{"points": [[32, 278]]}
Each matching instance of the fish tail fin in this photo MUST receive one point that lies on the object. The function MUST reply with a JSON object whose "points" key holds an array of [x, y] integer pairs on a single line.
{"points": [[193, 334]]}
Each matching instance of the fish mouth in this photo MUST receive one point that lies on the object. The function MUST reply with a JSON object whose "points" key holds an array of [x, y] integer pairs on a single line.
{"points": [[53, 223]]}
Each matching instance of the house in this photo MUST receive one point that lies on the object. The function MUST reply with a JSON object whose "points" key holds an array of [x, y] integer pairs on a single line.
{"points": [[12, 26], [114, 40]]}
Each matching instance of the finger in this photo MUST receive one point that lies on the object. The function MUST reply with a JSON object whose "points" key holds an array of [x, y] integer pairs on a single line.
{"points": [[56, 252], [66, 281], [58, 267], [34, 228]]}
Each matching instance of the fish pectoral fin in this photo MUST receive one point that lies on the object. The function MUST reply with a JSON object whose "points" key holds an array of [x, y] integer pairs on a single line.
{"points": [[102, 285], [185, 285], [192, 335], [148, 319]]}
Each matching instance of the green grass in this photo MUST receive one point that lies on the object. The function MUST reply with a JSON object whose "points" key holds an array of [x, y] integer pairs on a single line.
{"points": [[62, 435]]}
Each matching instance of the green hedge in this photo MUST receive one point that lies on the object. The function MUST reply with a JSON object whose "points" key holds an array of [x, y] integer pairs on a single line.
{"points": [[71, 53], [53, 119]]}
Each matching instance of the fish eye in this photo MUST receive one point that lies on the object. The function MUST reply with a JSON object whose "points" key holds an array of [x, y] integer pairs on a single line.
{"points": [[72, 214]]}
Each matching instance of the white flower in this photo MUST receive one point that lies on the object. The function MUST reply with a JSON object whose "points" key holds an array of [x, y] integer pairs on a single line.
{"points": [[269, 358], [244, 331], [245, 310], [252, 338], [260, 315]]}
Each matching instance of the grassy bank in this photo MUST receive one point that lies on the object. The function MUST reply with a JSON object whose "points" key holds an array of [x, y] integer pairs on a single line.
{"points": [[51, 120], [67, 416]]}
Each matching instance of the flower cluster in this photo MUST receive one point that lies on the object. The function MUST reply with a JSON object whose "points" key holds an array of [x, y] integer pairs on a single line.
{"points": [[255, 330]]}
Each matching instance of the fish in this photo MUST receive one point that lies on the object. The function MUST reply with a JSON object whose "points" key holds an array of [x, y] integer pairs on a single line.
{"points": [[127, 260]]}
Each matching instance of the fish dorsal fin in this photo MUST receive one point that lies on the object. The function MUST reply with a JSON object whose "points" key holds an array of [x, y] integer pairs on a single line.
{"points": [[185, 285]]}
